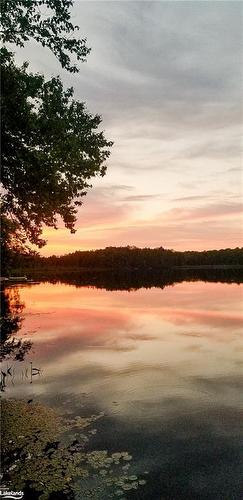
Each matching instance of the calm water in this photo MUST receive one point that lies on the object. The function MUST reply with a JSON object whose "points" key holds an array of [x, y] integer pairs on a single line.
{"points": [[166, 368]]}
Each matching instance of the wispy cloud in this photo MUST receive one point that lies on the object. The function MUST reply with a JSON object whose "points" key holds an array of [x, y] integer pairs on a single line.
{"points": [[142, 197], [191, 198], [210, 211], [170, 96]]}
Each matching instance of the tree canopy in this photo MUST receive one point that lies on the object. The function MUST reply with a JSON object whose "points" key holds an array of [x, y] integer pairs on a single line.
{"points": [[47, 22], [51, 149], [51, 145]]}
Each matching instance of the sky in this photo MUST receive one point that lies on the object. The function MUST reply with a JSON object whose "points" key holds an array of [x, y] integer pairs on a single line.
{"points": [[166, 77]]}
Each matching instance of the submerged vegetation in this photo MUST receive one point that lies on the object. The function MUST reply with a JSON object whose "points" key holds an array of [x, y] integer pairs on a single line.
{"points": [[45, 454], [53, 148]]}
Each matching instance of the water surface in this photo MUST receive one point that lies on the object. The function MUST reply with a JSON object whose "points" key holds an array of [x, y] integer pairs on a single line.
{"points": [[164, 365]]}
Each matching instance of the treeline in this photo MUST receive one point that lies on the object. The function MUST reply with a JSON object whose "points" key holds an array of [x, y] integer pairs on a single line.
{"points": [[132, 259]]}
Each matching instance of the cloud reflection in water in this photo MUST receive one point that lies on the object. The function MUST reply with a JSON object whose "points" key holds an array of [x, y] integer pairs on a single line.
{"points": [[166, 366]]}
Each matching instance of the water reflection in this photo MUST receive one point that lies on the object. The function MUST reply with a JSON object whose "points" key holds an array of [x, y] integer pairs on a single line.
{"points": [[142, 278], [12, 375], [166, 367], [12, 347]]}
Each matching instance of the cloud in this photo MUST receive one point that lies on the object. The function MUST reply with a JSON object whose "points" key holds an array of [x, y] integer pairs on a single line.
{"points": [[214, 319], [169, 93], [142, 197], [107, 223], [217, 148], [191, 198], [210, 211], [161, 71]]}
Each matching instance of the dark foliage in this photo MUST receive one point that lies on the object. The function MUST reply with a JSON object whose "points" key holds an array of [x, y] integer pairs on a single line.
{"points": [[51, 148], [129, 268], [51, 145], [12, 347], [46, 21], [135, 259]]}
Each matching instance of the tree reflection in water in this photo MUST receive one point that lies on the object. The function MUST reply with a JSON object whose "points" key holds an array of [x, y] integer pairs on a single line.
{"points": [[12, 347], [43, 454]]}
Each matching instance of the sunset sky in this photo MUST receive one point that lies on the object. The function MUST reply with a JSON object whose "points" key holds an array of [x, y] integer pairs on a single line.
{"points": [[167, 79]]}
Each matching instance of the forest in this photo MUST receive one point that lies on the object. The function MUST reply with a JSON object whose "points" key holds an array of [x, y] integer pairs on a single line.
{"points": [[131, 258]]}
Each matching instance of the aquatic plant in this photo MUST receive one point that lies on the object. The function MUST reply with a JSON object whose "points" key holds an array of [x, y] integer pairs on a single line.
{"points": [[44, 453]]}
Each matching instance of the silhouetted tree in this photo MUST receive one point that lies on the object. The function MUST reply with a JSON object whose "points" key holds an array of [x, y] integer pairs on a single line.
{"points": [[132, 260], [48, 22], [51, 149], [51, 145]]}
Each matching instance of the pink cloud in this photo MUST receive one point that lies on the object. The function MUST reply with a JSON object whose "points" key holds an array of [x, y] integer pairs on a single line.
{"points": [[105, 221], [211, 211]]}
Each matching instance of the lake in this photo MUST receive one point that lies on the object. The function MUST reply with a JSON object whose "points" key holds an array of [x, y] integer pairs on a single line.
{"points": [[163, 367]]}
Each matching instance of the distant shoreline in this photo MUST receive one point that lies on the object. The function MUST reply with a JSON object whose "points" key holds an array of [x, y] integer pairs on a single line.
{"points": [[210, 266], [156, 263], [128, 278], [73, 269], [128, 269]]}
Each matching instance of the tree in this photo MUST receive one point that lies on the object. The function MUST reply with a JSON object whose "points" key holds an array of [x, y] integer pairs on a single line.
{"points": [[13, 243], [48, 22], [51, 149], [51, 145]]}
